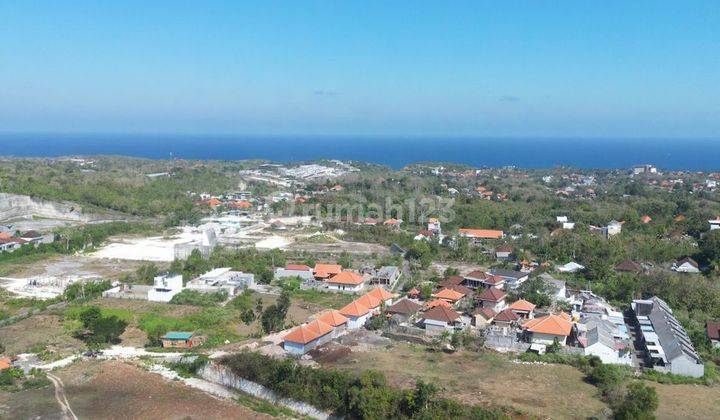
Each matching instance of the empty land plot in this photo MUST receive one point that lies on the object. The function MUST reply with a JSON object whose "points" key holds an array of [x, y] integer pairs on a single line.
{"points": [[554, 391], [687, 401], [39, 330], [117, 390]]}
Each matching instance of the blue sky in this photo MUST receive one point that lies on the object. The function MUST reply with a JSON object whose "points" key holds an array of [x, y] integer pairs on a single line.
{"points": [[501, 68]]}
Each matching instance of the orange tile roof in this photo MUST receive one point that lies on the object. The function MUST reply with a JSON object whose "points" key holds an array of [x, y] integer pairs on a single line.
{"points": [[482, 233], [5, 235], [413, 292], [522, 305], [439, 302], [319, 327], [5, 363], [328, 268], [369, 301], [381, 294], [333, 318], [391, 221], [301, 334], [297, 267], [551, 324], [214, 202], [448, 294], [346, 277], [354, 309], [646, 219]]}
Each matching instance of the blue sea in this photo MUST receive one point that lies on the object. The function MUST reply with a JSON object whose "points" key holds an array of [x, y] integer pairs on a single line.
{"points": [[396, 152]]}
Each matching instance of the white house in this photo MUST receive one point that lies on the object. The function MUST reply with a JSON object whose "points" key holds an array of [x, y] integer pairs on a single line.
{"points": [[545, 330], [346, 281], [165, 287], [295, 270], [600, 342], [714, 224], [570, 267], [568, 225], [613, 228], [356, 314], [686, 265], [222, 279], [561, 219]]}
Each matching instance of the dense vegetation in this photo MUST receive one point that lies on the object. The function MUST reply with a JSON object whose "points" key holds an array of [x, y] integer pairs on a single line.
{"points": [[367, 396]]}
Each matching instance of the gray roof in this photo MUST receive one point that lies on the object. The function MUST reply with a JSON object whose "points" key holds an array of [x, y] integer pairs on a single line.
{"points": [[672, 336], [600, 331], [508, 273]]}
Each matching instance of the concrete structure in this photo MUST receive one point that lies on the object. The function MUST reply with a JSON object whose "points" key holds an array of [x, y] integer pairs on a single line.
{"points": [[346, 281], [715, 223], [356, 314], [165, 287], [599, 338], [295, 270], [439, 319], [686, 265], [233, 282], [387, 276], [667, 346], [513, 279]]}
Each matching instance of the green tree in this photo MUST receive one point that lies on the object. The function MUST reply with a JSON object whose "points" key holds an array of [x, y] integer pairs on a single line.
{"points": [[639, 403], [345, 260]]}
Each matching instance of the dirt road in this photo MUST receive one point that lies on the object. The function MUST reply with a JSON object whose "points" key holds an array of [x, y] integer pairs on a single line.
{"points": [[61, 398]]}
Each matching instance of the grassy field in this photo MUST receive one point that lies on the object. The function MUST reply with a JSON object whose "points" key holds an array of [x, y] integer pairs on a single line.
{"points": [[553, 391], [37, 333], [322, 299], [687, 401]]}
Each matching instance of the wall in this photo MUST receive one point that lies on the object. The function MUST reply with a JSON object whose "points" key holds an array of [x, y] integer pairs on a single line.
{"points": [[14, 206], [222, 375]]}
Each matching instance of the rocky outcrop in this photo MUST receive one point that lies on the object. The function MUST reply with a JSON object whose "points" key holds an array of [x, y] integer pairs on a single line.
{"points": [[13, 206]]}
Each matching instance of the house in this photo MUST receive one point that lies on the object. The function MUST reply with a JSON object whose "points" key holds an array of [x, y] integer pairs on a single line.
{"points": [[295, 270], [645, 219], [686, 265], [346, 281], [439, 302], [180, 339], [512, 278], [165, 286], [561, 219], [413, 293], [558, 291], [323, 330], [325, 271], [479, 279], [713, 332], [403, 310], [493, 298], [613, 228], [477, 235], [387, 275], [424, 235], [5, 363], [503, 252], [382, 294], [506, 318], [483, 316], [300, 340], [523, 308], [356, 314], [35, 237], [220, 279], [629, 266], [666, 344], [449, 295], [715, 223], [434, 226], [439, 319], [546, 329], [370, 302], [568, 225], [456, 287], [335, 319], [393, 223], [600, 341], [9, 243], [570, 267]]}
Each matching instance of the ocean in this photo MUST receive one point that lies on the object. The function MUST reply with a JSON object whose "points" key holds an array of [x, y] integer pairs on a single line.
{"points": [[396, 152]]}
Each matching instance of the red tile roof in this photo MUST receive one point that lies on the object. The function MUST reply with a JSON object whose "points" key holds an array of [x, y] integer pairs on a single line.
{"points": [[442, 314], [297, 267], [522, 305], [447, 294], [492, 294], [330, 269], [404, 306], [506, 315], [713, 329], [439, 302], [319, 327], [369, 301], [381, 294], [487, 313]]}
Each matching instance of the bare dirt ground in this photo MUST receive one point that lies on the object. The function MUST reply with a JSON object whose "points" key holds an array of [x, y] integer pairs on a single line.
{"points": [[118, 390], [551, 391], [338, 247], [78, 265], [462, 267]]}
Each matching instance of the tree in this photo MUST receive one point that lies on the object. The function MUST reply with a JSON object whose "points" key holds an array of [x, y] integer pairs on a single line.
{"points": [[273, 317], [451, 271], [554, 347], [98, 329], [710, 246], [639, 403], [345, 260]]}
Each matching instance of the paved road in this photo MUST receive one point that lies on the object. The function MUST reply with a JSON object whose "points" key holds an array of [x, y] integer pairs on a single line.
{"points": [[61, 398]]}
